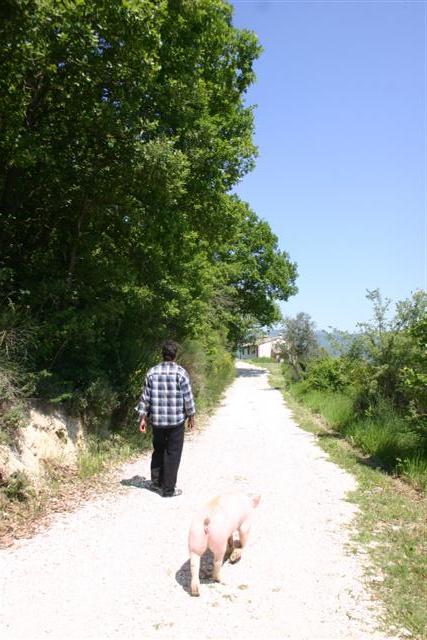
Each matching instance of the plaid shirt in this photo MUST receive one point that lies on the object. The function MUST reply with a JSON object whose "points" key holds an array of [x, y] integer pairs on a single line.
{"points": [[166, 396]]}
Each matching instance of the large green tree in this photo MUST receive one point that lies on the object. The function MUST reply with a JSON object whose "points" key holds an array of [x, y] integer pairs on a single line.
{"points": [[123, 130]]}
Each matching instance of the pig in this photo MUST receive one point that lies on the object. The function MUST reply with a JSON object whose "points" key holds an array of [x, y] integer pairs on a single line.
{"points": [[213, 527]]}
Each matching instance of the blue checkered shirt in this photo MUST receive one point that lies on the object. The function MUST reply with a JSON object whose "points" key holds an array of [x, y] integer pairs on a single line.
{"points": [[166, 397]]}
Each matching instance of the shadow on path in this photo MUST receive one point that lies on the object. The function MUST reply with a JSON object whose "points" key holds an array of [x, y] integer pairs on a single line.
{"points": [[183, 575], [250, 373], [140, 483]]}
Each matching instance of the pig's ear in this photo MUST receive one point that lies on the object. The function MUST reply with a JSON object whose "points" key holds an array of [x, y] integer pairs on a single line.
{"points": [[255, 501]]}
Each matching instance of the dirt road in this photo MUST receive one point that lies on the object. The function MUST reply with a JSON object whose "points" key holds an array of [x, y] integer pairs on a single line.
{"points": [[118, 567]]}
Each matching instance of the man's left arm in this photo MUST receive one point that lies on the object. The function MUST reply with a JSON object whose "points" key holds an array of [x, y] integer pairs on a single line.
{"points": [[187, 394]]}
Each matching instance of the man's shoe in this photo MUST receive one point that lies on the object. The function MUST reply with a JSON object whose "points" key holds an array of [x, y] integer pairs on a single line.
{"points": [[154, 486], [172, 494]]}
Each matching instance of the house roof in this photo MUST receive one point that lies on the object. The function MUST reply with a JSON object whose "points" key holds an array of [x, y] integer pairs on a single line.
{"points": [[270, 339], [263, 340]]}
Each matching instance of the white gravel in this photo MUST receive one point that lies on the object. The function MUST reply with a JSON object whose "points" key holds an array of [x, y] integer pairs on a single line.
{"points": [[118, 567]]}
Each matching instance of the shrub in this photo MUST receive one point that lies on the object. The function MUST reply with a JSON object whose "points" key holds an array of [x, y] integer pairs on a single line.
{"points": [[211, 368], [327, 373], [337, 409], [100, 451], [17, 487], [289, 375], [386, 436], [96, 404], [415, 469]]}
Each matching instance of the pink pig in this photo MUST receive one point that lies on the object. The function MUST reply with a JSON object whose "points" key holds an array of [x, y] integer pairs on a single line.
{"points": [[213, 527]]}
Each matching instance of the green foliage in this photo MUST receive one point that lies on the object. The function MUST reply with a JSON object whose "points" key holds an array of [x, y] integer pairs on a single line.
{"points": [[13, 418], [415, 469], [386, 437], [413, 375], [17, 487], [385, 362], [336, 408], [16, 337], [124, 129], [375, 390], [211, 369], [300, 342], [392, 347], [97, 405], [327, 373], [102, 451]]}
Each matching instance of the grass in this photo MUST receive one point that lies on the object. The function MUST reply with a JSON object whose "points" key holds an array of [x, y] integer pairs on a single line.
{"points": [[262, 360], [383, 434], [17, 487], [390, 522], [415, 469], [101, 453], [337, 409], [217, 382], [386, 440]]}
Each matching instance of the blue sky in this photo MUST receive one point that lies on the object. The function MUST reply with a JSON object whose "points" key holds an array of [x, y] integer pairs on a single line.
{"points": [[340, 127]]}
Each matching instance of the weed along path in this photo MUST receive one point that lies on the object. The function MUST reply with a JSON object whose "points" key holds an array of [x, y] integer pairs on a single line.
{"points": [[118, 566]]}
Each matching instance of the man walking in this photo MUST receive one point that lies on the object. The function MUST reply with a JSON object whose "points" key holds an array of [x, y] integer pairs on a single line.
{"points": [[167, 400]]}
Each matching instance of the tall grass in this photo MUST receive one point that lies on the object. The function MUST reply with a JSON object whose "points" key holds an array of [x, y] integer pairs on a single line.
{"points": [[383, 434], [335, 408], [415, 470], [385, 437], [100, 452]]}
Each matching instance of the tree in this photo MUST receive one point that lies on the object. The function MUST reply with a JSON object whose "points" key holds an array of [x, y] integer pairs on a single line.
{"points": [[123, 130], [388, 344], [300, 342]]}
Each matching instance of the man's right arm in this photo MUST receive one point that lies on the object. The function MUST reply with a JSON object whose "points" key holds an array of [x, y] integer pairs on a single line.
{"points": [[189, 405], [143, 406]]}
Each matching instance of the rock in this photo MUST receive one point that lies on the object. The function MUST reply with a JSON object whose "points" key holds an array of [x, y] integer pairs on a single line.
{"points": [[51, 434]]}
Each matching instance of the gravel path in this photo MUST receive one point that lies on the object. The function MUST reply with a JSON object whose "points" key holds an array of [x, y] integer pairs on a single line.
{"points": [[118, 567]]}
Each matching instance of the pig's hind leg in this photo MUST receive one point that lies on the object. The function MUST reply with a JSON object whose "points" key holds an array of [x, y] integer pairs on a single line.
{"points": [[195, 568], [219, 552], [230, 547], [243, 537]]}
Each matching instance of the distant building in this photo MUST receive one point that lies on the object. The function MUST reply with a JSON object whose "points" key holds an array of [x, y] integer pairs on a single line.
{"points": [[265, 347]]}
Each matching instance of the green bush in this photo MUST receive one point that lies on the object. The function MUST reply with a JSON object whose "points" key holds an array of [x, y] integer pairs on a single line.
{"points": [[288, 373], [96, 404], [327, 373], [100, 451], [211, 369], [380, 431], [374, 393], [386, 436], [337, 409], [300, 389], [415, 469], [17, 487], [13, 418]]}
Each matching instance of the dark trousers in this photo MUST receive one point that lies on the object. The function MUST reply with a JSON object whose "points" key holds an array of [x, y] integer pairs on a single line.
{"points": [[167, 443]]}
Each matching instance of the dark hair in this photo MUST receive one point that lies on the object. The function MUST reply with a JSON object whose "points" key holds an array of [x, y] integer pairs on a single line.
{"points": [[169, 350]]}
